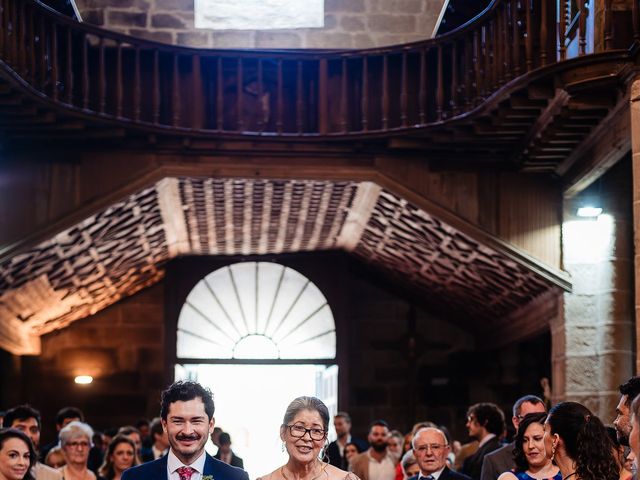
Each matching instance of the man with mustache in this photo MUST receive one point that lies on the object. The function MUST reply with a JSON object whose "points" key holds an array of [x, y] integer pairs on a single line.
{"points": [[376, 463], [187, 416]]}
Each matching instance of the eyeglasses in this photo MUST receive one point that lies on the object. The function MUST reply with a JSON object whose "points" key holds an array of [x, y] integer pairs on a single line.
{"points": [[298, 431], [434, 447], [77, 444]]}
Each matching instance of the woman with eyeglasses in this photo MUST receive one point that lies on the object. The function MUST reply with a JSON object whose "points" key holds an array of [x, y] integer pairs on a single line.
{"points": [[75, 441], [304, 437], [529, 453]]}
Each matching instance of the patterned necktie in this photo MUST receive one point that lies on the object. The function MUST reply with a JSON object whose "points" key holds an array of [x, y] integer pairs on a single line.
{"points": [[185, 473]]}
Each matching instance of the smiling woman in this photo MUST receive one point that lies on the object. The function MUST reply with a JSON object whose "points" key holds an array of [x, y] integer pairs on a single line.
{"points": [[17, 455], [304, 435]]}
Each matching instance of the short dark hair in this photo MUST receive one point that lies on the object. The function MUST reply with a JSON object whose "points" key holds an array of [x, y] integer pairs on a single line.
{"points": [[527, 399], [631, 389], [155, 428], [7, 433], [128, 430], [489, 416], [21, 412], [345, 415], [518, 452], [224, 439], [378, 423], [68, 412], [185, 391]]}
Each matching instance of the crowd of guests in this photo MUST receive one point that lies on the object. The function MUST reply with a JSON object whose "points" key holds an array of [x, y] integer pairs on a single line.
{"points": [[565, 442], [81, 453]]}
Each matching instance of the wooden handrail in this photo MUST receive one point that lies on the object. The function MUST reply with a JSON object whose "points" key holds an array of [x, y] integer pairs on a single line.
{"points": [[305, 93]]}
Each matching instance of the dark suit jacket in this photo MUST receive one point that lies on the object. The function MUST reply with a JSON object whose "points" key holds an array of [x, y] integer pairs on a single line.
{"points": [[333, 457], [498, 462], [447, 474], [157, 470], [236, 461], [472, 465]]}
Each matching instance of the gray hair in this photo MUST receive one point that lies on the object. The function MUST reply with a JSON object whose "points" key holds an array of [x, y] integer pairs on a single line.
{"points": [[73, 430], [428, 429], [408, 459], [527, 399], [307, 403]]}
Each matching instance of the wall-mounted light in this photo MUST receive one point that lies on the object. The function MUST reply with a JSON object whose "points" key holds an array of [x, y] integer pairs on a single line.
{"points": [[589, 211], [83, 379]]}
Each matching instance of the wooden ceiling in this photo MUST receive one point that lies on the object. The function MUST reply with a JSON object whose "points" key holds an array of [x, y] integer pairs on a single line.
{"points": [[121, 249]]}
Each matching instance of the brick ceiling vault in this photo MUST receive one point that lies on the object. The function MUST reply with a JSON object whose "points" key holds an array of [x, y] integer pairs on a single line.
{"points": [[122, 249]]}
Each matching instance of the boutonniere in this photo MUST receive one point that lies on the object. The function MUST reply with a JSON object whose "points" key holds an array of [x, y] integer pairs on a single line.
{"points": [[207, 477]]}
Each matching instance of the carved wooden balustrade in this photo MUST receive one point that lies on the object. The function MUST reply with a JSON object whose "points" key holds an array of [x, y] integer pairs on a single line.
{"points": [[307, 94]]}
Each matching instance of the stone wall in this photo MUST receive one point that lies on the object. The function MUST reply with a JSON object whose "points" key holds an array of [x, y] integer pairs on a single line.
{"points": [[593, 346], [348, 24]]}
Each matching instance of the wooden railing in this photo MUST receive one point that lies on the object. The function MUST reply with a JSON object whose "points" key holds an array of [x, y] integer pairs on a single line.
{"points": [[281, 93]]}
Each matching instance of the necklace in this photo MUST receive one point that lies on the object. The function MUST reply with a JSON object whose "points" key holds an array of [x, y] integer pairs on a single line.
{"points": [[322, 469], [569, 476]]}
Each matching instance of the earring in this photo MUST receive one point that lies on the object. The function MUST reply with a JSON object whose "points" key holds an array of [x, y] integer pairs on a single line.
{"points": [[553, 451], [283, 446]]}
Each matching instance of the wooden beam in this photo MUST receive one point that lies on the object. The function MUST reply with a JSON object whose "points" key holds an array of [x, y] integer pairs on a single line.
{"points": [[16, 337], [359, 215], [609, 142]]}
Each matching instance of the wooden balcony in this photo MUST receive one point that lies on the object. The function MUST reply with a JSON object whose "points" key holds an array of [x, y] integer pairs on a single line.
{"points": [[499, 89]]}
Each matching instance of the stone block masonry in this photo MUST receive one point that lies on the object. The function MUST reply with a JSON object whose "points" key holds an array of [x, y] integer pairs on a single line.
{"points": [[348, 24]]}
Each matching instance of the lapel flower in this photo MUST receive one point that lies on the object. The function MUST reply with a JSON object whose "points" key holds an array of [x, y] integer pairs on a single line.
{"points": [[207, 477]]}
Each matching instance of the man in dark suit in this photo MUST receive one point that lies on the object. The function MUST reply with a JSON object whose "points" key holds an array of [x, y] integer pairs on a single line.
{"points": [[431, 449], [187, 417], [225, 454], [335, 450], [501, 460], [485, 422]]}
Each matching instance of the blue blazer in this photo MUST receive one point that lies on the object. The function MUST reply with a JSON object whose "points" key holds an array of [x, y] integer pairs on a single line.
{"points": [[157, 470]]}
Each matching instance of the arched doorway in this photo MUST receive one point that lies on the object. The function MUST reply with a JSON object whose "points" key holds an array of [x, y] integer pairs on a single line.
{"points": [[258, 334]]}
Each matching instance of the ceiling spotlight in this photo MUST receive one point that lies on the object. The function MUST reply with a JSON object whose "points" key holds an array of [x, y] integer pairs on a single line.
{"points": [[589, 211], [83, 379]]}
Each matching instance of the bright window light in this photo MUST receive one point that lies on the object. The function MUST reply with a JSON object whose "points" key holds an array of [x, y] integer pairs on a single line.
{"points": [[83, 379], [589, 211], [256, 310], [258, 14], [589, 240]]}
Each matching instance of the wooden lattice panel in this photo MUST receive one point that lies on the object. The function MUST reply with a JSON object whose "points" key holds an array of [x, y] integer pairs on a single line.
{"points": [[264, 216], [122, 249], [87, 267], [452, 269]]}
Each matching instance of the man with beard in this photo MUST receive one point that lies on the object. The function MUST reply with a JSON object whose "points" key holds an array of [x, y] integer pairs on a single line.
{"points": [[27, 420], [376, 463], [628, 391], [186, 413], [335, 450]]}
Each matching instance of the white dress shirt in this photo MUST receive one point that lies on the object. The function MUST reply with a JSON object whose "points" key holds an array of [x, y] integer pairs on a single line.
{"points": [[173, 464]]}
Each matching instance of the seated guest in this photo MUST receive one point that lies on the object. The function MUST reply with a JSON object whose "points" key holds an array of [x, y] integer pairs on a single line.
{"points": [[27, 420], [351, 449], [431, 449], [160, 445], [576, 440], [120, 455], [64, 416], [529, 453], [409, 464], [55, 458], [225, 453], [75, 440], [17, 455]]}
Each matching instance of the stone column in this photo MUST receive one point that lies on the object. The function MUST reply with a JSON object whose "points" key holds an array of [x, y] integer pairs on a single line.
{"points": [[593, 347]]}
